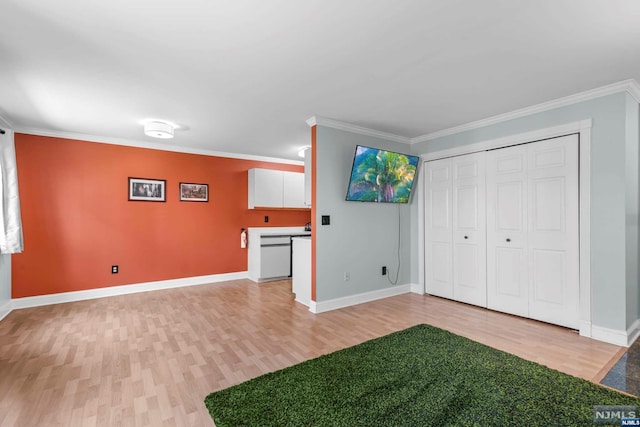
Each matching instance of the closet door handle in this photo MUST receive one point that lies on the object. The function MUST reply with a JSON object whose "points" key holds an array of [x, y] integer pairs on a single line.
{"points": [[508, 240]]}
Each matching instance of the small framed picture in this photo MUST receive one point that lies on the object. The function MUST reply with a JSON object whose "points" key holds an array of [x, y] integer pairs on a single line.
{"points": [[190, 192], [147, 190]]}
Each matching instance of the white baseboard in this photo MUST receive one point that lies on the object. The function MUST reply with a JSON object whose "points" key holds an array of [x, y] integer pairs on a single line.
{"points": [[633, 332], [417, 288], [585, 329], [612, 336], [312, 307], [5, 309], [334, 304], [40, 300]]}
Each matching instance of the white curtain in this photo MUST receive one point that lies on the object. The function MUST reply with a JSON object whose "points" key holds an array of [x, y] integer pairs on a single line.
{"points": [[10, 223]]}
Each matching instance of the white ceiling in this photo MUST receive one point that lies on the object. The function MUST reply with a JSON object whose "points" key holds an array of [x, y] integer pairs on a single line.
{"points": [[242, 76]]}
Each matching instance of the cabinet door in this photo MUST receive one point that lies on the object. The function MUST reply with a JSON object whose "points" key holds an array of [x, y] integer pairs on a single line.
{"points": [[438, 229], [293, 190], [301, 270], [265, 188], [469, 229]]}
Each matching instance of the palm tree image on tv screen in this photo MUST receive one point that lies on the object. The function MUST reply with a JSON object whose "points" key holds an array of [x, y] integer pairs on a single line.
{"points": [[381, 176]]}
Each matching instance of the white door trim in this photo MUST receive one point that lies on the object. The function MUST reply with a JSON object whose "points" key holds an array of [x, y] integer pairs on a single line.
{"points": [[583, 128]]}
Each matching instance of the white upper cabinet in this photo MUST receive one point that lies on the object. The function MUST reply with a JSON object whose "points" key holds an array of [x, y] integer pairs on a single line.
{"points": [[293, 190], [275, 189], [265, 188]]}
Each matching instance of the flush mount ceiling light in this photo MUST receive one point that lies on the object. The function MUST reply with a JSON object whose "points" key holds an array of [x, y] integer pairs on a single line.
{"points": [[158, 129]]}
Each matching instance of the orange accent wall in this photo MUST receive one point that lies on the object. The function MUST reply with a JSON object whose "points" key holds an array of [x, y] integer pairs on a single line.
{"points": [[78, 222]]}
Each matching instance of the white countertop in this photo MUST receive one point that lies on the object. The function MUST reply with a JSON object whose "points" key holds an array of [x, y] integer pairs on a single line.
{"points": [[265, 231]]}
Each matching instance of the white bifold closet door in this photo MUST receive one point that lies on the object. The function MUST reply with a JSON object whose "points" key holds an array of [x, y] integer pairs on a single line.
{"points": [[469, 229], [507, 272], [439, 228], [455, 224], [532, 230], [501, 229]]}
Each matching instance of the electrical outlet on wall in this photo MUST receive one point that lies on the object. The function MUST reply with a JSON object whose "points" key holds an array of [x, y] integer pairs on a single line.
{"points": [[347, 276], [114, 269], [384, 270]]}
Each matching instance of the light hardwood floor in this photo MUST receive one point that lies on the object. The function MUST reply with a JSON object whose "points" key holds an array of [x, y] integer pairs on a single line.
{"points": [[151, 358]]}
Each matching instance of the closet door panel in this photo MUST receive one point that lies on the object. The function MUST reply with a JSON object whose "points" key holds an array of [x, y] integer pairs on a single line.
{"points": [[438, 229], [553, 245], [507, 276], [469, 229], [509, 197]]}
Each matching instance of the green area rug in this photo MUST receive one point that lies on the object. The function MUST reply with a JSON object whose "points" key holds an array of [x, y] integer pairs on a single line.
{"points": [[422, 376]]}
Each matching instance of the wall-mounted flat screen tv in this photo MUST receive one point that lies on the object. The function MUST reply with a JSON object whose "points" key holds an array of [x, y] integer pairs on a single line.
{"points": [[381, 176]]}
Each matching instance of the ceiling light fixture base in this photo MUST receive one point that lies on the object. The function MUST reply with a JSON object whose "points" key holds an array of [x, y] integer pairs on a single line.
{"points": [[157, 129]]}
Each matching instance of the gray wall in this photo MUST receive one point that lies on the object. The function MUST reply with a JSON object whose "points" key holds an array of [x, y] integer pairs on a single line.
{"points": [[362, 237], [632, 164], [5, 259], [5, 280], [614, 196]]}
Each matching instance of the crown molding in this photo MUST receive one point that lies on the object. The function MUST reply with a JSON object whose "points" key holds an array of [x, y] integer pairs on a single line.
{"points": [[317, 120], [634, 90], [153, 146], [630, 86], [4, 123]]}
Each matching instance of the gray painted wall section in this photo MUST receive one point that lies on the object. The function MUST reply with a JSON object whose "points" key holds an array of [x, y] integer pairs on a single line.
{"points": [[609, 194], [362, 237], [5, 280], [638, 261], [632, 164]]}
